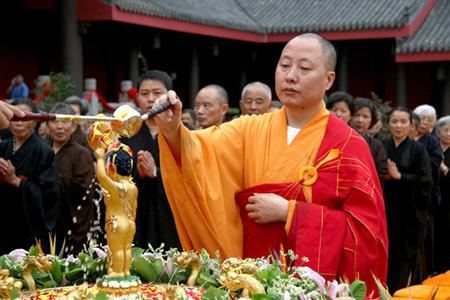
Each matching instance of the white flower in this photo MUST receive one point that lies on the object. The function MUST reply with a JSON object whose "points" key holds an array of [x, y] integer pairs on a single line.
{"points": [[100, 253], [19, 254], [286, 296], [73, 259], [307, 272], [168, 268]]}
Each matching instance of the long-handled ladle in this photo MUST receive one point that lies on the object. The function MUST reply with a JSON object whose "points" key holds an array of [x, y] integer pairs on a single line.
{"points": [[126, 121]]}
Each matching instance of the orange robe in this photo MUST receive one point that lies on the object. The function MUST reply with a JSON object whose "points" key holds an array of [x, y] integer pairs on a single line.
{"points": [[219, 162]]}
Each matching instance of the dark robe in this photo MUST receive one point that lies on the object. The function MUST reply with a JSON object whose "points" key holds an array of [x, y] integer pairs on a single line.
{"points": [[379, 156], [154, 219], [30, 211], [434, 150], [408, 202], [443, 221], [76, 172]]}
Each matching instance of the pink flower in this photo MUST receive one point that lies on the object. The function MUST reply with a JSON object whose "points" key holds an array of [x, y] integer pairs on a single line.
{"points": [[334, 288], [318, 279], [100, 253], [73, 259], [19, 254]]}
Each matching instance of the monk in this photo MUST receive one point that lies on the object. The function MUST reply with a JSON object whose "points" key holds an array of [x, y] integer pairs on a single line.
{"points": [[299, 177]]}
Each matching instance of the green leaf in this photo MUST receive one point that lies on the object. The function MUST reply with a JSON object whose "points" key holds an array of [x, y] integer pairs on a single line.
{"points": [[6, 261], [204, 255], [268, 274], [73, 276], [265, 297], [383, 291], [146, 269], [206, 279], [34, 251], [358, 289], [101, 296], [49, 284], [178, 276], [15, 294], [213, 293], [136, 252], [56, 272], [39, 275], [84, 257]]}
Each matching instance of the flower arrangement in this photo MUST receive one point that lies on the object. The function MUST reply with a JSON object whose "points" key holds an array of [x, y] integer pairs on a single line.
{"points": [[158, 266]]}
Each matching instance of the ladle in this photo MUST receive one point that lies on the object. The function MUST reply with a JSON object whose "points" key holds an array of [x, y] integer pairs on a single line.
{"points": [[126, 121]]}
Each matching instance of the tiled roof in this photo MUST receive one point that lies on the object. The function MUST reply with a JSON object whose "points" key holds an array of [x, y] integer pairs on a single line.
{"points": [[282, 16], [223, 13], [331, 15], [433, 35]]}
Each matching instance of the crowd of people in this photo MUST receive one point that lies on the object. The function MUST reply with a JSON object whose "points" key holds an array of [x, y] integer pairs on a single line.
{"points": [[350, 184]]}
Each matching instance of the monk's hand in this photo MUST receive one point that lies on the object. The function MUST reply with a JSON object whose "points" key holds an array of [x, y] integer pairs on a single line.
{"points": [[169, 120], [267, 208], [146, 165]]}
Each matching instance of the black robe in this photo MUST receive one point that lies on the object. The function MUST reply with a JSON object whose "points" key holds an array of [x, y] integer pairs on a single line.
{"points": [[30, 211], [407, 202], [434, 150], [76, 173], [379, 156], [154, 219], [443, 221]]}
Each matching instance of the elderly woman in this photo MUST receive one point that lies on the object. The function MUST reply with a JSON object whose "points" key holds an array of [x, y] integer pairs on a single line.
{"points": [[364, 118], [442, 217], [427, 116], [28, 185], [342, 105], [76, 172]]}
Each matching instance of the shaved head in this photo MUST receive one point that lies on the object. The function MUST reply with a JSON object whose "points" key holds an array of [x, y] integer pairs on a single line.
{"points": [[328, 51]]}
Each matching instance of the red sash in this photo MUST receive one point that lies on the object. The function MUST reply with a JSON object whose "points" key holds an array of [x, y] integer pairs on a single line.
{"points": [[261, 239]]}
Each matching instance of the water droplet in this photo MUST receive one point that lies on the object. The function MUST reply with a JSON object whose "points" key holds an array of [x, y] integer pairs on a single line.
{"points": [[79, 207], [69, 232], [74, 220]]}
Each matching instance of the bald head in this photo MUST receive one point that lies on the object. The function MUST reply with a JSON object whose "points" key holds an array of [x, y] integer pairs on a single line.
{"points": [[211, 105], [255, 98], [328, 51], [221, 93]]}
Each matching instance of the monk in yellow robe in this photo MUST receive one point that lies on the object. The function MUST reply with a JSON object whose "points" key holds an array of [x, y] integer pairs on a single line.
{"points": [[297, 177]]}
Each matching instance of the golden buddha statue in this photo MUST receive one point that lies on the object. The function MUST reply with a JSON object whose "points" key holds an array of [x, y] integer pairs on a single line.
{"points": [[120, 196], [113, 171]]}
